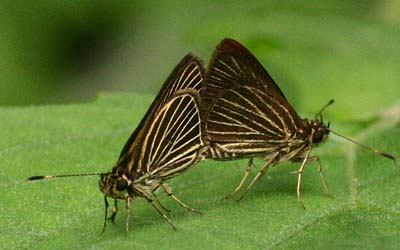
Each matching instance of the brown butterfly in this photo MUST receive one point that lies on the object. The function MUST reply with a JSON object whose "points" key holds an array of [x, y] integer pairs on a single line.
{"points": [[168, 140], [247, 115]]}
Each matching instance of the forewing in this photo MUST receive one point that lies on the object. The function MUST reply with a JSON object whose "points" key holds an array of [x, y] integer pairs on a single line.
{"points": [[174, 139], [232, 67], [247, 120], [188, 74]]}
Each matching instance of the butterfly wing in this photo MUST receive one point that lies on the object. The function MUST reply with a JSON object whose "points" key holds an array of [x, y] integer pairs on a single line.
{"points": [[188, 74], [245, 111], [174, 138]]}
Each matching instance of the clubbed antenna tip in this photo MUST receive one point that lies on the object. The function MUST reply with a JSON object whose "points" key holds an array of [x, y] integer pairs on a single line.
{"points": [[37, 177], [390, 157], [384, 154], [331, 101]]}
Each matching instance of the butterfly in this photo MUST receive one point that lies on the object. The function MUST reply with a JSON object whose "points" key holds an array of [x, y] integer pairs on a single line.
{"points": [[246, 115], [168, 140]]}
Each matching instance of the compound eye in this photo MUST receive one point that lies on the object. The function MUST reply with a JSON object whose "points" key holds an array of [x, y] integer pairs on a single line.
{"points": [[121, 185], [318, 136]]}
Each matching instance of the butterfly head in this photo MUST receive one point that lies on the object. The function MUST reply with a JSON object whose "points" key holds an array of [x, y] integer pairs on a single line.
{"points": [[114, 185], [319, 132]]}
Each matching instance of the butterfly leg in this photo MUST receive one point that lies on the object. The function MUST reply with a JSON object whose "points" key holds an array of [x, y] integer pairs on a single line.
{"points": [[105, 213], [259, 174], [114, 211], [299, 175], [128, 200], [316, 158], [161, 213], [168, 191], [143, 194], [160, 204], [158, 201], [246, 174]]}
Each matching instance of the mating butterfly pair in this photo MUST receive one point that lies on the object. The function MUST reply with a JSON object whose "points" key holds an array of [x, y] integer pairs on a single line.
{"points": [[233, 110]]}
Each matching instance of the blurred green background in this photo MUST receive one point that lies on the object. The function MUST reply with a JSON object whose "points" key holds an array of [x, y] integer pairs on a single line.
{"points": [[69, 51]]}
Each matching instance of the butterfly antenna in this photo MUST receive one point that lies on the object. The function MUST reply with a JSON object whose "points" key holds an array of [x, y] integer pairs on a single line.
{"points": [[42, 177], [323, 108], [384, 154]]}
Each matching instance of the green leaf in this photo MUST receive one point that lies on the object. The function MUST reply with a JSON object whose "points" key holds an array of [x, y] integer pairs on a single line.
{"points": [[67, 213]]}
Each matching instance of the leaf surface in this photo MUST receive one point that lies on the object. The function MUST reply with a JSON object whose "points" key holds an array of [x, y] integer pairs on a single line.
{"points": [[67, 213]]}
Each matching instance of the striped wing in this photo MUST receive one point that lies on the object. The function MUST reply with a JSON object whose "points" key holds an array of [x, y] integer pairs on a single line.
{"points": [[188, 74], [175, 137], [246, 120], [245, 111]]}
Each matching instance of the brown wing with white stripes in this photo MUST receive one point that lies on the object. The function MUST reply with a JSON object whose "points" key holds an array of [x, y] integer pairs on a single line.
{"points": [[188, 74], [245, 111], [233, 66], [247, 121], [174, 139]]}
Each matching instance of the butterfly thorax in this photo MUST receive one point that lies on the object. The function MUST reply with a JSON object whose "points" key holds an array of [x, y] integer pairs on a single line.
{"points": [[308, 136]]}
